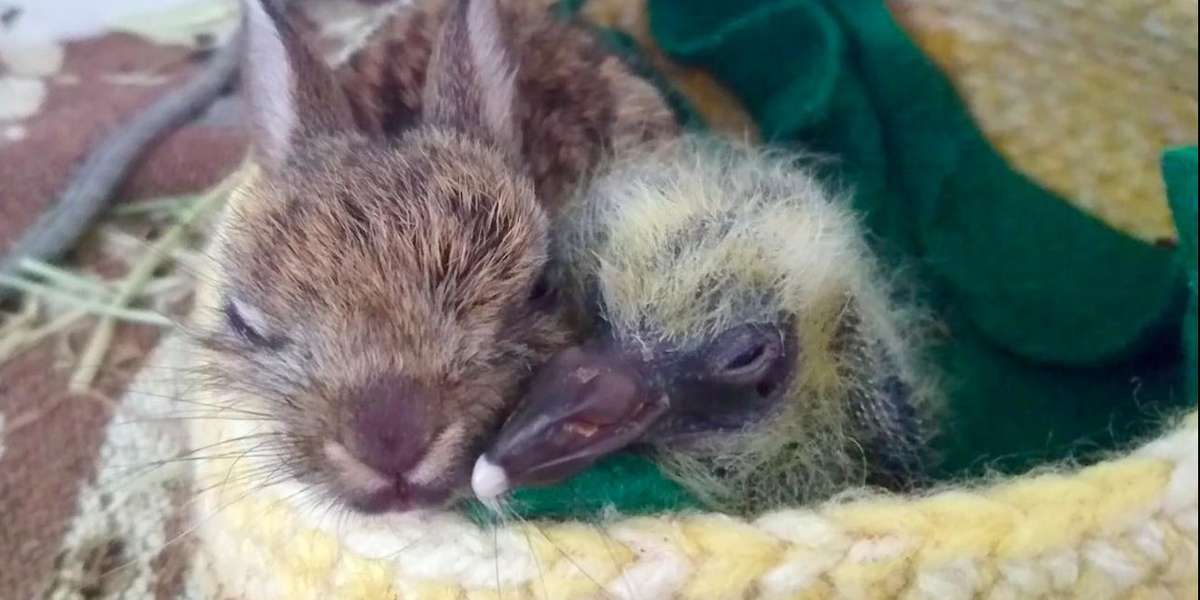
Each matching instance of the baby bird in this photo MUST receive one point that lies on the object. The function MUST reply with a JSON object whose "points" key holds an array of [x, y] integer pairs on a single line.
{"points": [[737, 324]]}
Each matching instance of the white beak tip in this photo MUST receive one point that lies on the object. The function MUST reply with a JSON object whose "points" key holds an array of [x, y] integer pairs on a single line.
{"points": [[488, 481]]}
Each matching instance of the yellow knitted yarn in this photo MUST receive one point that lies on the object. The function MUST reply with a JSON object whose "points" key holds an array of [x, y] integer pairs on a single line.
{"points": [[1126, 528], [1082, 96]]}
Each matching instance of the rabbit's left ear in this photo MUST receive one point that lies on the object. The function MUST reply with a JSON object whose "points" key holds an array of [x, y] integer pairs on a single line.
{"points": [[471, 82], [290, 92]]}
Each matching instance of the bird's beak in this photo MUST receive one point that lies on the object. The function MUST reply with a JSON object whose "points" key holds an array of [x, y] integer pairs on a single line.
{"points": [[585, 403]]}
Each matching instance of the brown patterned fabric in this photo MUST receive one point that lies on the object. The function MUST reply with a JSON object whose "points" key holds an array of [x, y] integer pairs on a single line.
{"points": [[100, 83], [89, 505], [51, 438]]}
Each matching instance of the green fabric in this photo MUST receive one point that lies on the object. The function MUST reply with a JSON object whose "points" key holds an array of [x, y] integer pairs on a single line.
{"points": [[840, 77], [628, 482], [1065, 334], [1179, 170]]}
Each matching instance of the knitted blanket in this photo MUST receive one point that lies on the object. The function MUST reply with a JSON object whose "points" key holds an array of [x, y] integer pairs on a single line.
{"points": [[58, 96]]}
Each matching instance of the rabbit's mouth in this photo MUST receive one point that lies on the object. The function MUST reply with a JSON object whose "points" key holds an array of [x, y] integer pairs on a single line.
{"points": [[430, 483], [399, 497]]}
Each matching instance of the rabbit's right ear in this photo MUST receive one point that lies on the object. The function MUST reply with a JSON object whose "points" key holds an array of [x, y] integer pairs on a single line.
{"points": [[471, 84], [289, 90]]}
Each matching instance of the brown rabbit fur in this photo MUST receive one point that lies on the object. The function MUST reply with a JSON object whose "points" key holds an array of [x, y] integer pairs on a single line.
{"points": [[374, 290], [575, 101]]}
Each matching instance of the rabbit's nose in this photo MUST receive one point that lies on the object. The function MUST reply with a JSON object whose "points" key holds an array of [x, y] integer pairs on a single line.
{"points": [[390, 424]]}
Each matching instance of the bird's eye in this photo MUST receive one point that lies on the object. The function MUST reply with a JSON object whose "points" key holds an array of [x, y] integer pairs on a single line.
{"points": [[744, 354], [248, 324], [542, 293], [747, 358]]}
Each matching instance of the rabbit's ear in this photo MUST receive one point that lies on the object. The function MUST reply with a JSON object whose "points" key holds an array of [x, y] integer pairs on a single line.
{"points": [[471, 85], [290, 92]]}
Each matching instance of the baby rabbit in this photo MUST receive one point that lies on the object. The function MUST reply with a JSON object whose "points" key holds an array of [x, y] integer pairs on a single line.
{"points": [[376, 292], [739, 326]]}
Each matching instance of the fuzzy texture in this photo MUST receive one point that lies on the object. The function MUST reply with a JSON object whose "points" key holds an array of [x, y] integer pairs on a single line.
{"points": [[407, 259], [568, 121], [375, 295], [671, 247]]}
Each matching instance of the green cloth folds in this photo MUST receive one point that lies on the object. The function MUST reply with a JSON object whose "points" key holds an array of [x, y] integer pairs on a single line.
{"points": [[1180, 173]]}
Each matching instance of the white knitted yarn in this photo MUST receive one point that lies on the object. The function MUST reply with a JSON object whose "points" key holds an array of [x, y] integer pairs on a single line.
{"points": [[1123, 528]]}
